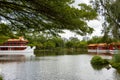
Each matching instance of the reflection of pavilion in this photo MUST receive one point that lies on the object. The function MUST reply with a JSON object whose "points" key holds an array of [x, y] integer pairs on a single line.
{"points": [[12, 58], [104, 48]]}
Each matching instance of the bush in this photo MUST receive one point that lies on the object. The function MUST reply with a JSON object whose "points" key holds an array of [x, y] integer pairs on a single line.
{"points": [[115, 63], [116, 58], [1, 78], [97, 60]]}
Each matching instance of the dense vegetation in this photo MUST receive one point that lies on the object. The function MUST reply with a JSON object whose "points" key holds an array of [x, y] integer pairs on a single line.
{"points": [[43, 42], [53, 16], [102, 39]]}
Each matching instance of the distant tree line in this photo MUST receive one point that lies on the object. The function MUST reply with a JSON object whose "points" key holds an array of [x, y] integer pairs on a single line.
{"points": [[102, 39], [53, 42], [49, 41]]}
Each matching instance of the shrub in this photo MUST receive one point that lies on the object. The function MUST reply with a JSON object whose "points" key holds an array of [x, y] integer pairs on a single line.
{"points": [[97, 60], [115, 63], [116, 58], [1, 78]]}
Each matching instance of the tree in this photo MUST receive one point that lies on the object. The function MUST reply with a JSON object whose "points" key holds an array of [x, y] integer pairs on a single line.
{"points": [[5, 33], [110, 10], [72, 42], [82, 44], [95, 39], [46, 15], [58, 41], [69, 44], [49, 45], [5, 30]]}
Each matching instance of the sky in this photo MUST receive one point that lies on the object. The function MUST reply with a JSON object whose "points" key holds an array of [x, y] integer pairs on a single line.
{"points": [[96, 24]]}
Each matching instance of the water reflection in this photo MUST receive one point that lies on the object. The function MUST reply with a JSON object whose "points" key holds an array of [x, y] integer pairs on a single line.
{"points": [[58, 52], [12, 58], [95, 53], [98, 67], [60, 67]]}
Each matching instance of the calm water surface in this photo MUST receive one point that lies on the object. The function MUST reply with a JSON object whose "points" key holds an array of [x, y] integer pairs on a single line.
{"points": [[63, 67]]}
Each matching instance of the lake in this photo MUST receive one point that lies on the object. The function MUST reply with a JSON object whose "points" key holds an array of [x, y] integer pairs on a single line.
{"points": [[57, 67]]}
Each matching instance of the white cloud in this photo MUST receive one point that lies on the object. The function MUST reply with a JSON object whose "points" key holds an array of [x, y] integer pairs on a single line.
{"points": [[81, 1], [97, 25], [69, 34]]}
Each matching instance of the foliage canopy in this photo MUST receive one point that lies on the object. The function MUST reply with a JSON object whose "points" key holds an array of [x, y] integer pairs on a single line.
{"points": [[46, 15]]}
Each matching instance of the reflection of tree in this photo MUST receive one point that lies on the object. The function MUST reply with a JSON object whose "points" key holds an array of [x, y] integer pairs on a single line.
{"points": [[98, 67], [56, 52]]}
